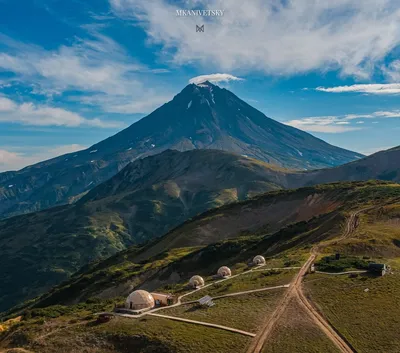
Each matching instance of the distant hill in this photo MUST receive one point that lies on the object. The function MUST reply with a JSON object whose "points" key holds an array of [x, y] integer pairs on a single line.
{"points": [[145, 200], [200, 117], [384, 165]]}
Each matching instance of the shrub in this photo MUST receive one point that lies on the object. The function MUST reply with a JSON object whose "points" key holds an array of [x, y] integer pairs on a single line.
{"points": [[330, 264]]}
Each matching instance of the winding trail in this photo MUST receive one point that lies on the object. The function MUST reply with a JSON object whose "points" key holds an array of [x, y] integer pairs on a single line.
{"points": [[296, 291]]}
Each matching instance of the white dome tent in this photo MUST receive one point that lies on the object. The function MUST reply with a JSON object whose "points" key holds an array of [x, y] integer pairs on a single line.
{"points": [[259, 260], [196, 281], [139, 300], [224, 271]]}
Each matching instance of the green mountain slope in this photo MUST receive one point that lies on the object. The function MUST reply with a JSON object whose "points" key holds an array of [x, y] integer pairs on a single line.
{"points": [[384, 165], [67, 321], [147, 199]]}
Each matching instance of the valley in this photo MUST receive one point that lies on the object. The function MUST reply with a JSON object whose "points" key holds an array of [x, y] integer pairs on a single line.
{"points": [[199, 176], [261, 312]]}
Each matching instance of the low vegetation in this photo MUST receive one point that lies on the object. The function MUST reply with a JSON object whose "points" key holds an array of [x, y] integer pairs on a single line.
{"points": [[341, 264], [245, 282], [244, 312], [365, 309], [146, 335]]}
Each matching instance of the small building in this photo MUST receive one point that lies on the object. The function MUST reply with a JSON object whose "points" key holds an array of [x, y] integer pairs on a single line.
{"points": [[312, 268], [196, 281], [161, 299], [224, 271], [259, 260], [139, 300], [206, 301], [379, 269]]}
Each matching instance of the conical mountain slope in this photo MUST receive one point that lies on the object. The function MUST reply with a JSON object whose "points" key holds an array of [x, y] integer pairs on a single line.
{"points": [[202, 116]]}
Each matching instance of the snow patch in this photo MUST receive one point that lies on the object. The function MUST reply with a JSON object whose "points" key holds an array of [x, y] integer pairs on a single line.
{"points": [[10, 186], [129, 148], [212, 95], [91, 161], [90, 183], [300, 153], [189, 105], [94, 151], [152, 145]]}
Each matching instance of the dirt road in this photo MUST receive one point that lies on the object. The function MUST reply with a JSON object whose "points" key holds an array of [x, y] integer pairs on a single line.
{"points": [[296, 291], [258, 343]]}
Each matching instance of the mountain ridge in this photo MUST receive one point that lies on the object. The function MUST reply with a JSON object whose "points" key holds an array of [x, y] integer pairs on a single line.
{"points": [[199, 117], [149, 197]]}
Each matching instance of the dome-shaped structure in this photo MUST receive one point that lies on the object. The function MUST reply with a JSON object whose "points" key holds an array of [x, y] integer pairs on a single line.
{"points": [[196, 281], [139, 299], [224, 271], [259, 260]]}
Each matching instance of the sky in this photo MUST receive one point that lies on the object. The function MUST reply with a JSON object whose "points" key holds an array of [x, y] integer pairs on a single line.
{"points": [[75, 72]]}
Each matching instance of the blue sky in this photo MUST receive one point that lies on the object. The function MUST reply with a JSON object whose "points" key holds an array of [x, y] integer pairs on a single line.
{"points": [[75, 72]]}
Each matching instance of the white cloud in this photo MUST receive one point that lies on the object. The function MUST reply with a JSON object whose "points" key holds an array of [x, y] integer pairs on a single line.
{"points": [[389, 88], [327, 124], [214, 78], [392, 71], [278, 37], [339, 124], [30, 114], [14, 160], [94, 66]]}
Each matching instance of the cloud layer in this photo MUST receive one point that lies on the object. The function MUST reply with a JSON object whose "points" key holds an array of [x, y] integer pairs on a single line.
{"points": [[30, 114], [214, 78], [293, 36], [96, 71], [339, 124], [12, 160], [389, 88]]}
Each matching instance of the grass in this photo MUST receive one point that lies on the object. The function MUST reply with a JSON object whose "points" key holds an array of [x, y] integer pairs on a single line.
{"points": [[145, 335], [369, 320], [249, 281], [245, 312], [296, 333], [377, 234]]}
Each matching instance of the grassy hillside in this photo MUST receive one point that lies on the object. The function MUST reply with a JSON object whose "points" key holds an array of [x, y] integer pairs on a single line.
{"points": [[368, 319], [63, 317], [147, 199], [263, 215]]}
